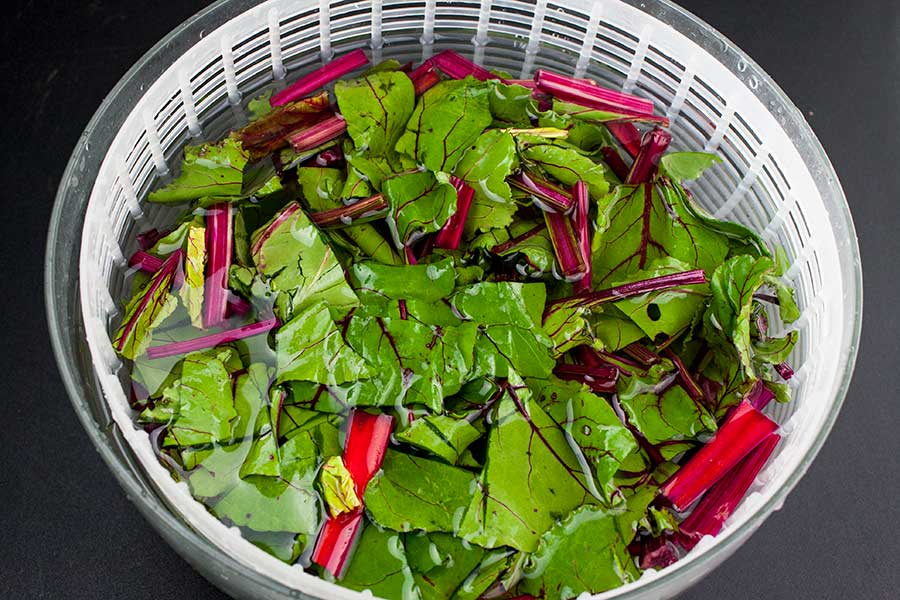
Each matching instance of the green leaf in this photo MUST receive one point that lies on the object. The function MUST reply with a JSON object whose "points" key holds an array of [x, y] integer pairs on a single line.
{"points": [[590, 421], [587, 552], [322, 429], [535, 254], [644, 226], [787, 306], [283, 545], [207, 170], [509, 317], [202, 400], [493, 565], [309, 347], [376, 108], [667, 312], [260, 106], [302, 269], [567, 165], [447, 120], [440, 563], [733, 285], [662, 415], [251, 396], [683, 166], [530, 480], [377, 284], [412, 493], [195, 259], [511, 105], [379, 565], [566, 326], [582, 134], [441, 435], [486, 165], [338, 488], [775, 350], [321, 187], [420, 203], [270, 504], [612, 328], [409, 362]]}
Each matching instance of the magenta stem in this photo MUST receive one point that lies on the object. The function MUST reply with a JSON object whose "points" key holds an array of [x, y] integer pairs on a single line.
{"points": [[592, 95], [320, 77], [316, 135], [600, 379], [451, 233], [213, 340], [219, 239], [513, 242], [615, 162], [545, 192], [642, 354], [148, 239], [343, 215], [636, 288], [743, 430], [582, 225], [689, 384], [456, 66], [653, 144], [424, 77], [723, 498], [145, 262], [759, 395], [568, 253], [784, 370], [627, 135]]}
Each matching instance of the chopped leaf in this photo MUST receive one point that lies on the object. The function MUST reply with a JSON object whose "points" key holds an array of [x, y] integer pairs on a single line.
{"points": [[486, 165], [338, 489], [376, 107], [195, 258], [440, 563], [309, 347], [301, 267], [447, 120], [568, 165], [379, 565], [414, 493], [531, 477], [207, 170], [684, 166], [443, 436], [420, 203]]}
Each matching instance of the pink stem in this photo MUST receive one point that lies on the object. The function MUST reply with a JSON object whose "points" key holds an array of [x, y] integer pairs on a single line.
{"points": [[719, 503], [568, 253], [145, 262], [424, 77], [320, 77], [548, 194], [615, 162], [743, 430], [582, 224], [653, 144], [592, 95], [336, 217], [212, 340], [318, 134], [451, 233], [627, 134], [636, 288], [219, 239], [456, 66]]}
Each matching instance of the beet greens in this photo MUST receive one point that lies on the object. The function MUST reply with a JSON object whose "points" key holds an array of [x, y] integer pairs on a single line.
{"points": [[439, 333]]}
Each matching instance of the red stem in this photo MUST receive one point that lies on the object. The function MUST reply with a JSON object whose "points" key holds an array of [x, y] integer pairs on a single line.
{"points": [[592, 95], [743, 430], [544, 191], [784, 370], [145, 262], [719, 503], [337, 217], [759, 395], [148, 239], [568, 253], [329, 157], [456, 66], [316, 135], [653, 144], [424, 77], [684, 377], [615, 162], [320, 77], [627, 135], [367, 440], [583, 227], [451, 233], [213, 340], [219, 238], [635, 288], [600, 379], [513, 242]]}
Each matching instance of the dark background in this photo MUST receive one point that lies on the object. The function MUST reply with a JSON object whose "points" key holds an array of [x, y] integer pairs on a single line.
{"points": [[66, 528]]}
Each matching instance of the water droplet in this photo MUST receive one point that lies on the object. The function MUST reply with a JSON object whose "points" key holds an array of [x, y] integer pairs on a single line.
{"points": [[753, 82], [742, 65], [586, 430]]}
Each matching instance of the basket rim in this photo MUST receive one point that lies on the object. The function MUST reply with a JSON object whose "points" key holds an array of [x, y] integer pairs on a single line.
{"points": [[65, 338]]}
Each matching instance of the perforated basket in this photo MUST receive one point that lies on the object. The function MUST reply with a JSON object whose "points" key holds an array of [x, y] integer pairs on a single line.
{"points": [[774, 178]]}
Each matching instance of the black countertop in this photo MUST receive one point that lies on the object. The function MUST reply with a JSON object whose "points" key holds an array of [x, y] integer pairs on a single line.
{"points": [[69, 532]]}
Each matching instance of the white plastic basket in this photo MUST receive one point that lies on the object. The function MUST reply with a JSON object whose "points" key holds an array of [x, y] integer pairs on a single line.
{"points": [[774, 178]]}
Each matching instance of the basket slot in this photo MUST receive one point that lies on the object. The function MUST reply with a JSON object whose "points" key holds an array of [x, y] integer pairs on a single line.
{"points": [[228, 70], [742, 188], [275, 44], [590, 34], [130, 198], [187, 101], [534, 38], [156, 150], [637, 63]]}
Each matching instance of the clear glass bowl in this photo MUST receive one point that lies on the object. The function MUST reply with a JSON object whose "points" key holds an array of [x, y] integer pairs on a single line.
{"points": [[776, 178]]}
